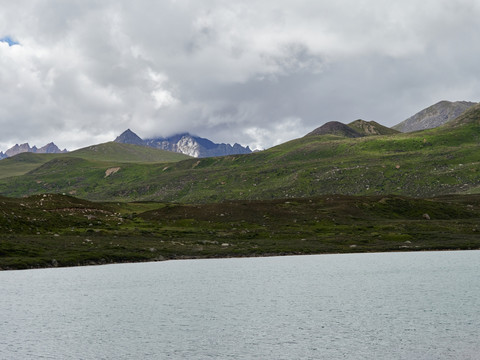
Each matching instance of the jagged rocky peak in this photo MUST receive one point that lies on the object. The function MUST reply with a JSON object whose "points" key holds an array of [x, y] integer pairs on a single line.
{"points": [[50, 148], [184, 143], [434, 116], [2, 155], [129, 137], [335, 128], [18, 149]]}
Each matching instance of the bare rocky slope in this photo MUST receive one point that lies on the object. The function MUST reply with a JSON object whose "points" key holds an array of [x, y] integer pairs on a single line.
{"points": [[434, 116]]}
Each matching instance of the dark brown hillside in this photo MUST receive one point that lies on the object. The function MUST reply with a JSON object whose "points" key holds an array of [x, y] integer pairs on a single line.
{"points": [[335, 128]]}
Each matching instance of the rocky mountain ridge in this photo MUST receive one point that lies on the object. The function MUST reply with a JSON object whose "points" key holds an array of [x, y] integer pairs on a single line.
{"points": [[184, 143], [16, 149], [434, 116], [355, 129]]}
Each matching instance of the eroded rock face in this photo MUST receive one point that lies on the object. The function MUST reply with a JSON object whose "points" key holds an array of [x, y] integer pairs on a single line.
{"points": [[111, 171], [434, 116]]}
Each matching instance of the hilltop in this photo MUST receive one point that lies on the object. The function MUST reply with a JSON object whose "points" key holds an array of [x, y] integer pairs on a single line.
{"points": [[355, 129], [335, 128], [434, 116], [371, 128]]}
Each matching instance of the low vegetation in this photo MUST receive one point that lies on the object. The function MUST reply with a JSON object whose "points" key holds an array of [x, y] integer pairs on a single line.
{"points": [[55, 230]]}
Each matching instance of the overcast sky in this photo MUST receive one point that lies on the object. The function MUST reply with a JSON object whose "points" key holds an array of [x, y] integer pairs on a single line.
{"points": [[79, 72]]}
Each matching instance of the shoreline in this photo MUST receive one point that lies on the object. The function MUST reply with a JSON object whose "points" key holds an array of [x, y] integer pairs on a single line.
{"points": [[101, 263], [61, 231]]}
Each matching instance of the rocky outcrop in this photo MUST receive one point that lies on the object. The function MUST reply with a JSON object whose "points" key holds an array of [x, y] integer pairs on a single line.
{"points": [[434, 116], [184, 143]]}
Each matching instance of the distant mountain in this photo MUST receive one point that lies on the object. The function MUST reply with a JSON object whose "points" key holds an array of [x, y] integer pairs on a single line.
{"points": [[335, 128], [368, 128], [2, 155], [50, 148], [129, 137], [434, 116], [185, 144], [17, 149]]}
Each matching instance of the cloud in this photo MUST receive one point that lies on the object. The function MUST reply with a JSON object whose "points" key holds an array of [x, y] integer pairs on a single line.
{"points": [[257, 73]]}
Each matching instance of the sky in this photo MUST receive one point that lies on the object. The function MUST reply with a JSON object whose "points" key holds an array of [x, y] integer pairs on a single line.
{"points": [[259, 73]]}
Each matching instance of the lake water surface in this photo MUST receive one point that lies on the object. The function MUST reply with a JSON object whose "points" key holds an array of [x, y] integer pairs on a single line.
{"points": [[422, 305]]}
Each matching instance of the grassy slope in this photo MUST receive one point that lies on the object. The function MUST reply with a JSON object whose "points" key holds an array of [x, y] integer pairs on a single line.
{"points": [[427, 163], [110, 153], [369, 128], [46, 230], [23, 163], [118, 152]]}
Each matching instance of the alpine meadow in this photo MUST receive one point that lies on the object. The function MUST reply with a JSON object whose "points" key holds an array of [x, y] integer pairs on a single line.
{"points": [[341, 188]]}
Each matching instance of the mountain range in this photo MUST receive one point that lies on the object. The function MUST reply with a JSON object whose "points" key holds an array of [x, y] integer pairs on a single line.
{"points": [[333, 159], [185, 144], [50, 148], [431, 117]]}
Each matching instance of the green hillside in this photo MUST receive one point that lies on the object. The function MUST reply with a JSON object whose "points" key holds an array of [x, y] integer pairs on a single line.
{"points": [[109, 153], [23, 163], [118, 152], [432, 162]]}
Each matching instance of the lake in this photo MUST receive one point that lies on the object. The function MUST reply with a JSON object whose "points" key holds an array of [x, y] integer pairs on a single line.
{"points": [[417, 305]]}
